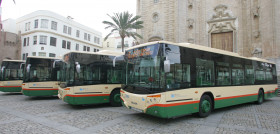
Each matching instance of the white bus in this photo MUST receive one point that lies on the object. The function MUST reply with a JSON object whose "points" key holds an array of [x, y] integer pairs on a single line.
{"points": [[11, 75], [41, 76], [92, 78], [167, 79]]}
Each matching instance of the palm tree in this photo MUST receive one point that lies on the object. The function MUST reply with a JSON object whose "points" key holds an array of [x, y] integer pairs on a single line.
{"points": [[124, 23]]}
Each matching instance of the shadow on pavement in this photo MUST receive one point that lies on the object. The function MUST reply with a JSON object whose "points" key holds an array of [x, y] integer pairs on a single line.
{"points": [[6, 94], [41, 98]]}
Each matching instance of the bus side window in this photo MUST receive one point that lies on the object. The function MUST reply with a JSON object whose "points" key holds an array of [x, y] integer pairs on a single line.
{"points": [[249, 75], [223, 74], [204, 72], [237, 74], [260, 74], [268, 74]]}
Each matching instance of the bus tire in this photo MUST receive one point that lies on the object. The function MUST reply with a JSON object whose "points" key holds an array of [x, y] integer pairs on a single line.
{"points": [[115, 99], [260, 97], [205, 106]]}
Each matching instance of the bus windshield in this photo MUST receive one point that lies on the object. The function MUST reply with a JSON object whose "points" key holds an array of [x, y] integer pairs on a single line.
{"points": [[93, 69], [40, 70], [144, 74], [11, 71]]}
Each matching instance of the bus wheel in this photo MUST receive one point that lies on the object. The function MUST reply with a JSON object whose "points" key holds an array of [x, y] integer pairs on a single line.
{"points": [[205, 106], [260, 97], [115, 99]]}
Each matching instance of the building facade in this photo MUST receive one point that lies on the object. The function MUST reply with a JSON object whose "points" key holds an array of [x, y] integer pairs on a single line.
{"points": [[114, 43], [44, 33], [10, 44], [247, 27]]}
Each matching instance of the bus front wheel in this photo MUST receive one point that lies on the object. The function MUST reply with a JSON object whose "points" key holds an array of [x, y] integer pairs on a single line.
{"points": [[260, 97], [115, 99], [205, 106]]}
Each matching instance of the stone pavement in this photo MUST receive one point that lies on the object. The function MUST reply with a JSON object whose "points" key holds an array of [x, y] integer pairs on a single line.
{"points": [[29, 115]]}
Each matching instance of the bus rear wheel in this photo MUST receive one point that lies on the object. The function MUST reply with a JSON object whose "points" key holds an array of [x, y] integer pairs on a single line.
{"points": [[260, 97], [205, 106], [115, 99]]}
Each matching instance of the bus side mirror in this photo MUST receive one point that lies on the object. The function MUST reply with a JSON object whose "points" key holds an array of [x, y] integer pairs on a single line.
{"points": [[55, 63], [167, 66], [78, 67], [2, 69], [21, 65], [114, 61], [28, 68]]}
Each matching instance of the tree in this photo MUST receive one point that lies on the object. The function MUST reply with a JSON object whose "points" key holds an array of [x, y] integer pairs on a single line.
{"points": [[124, 23]]}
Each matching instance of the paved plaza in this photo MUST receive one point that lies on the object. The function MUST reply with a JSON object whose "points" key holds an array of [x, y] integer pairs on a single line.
{"points": [[46, 115]]}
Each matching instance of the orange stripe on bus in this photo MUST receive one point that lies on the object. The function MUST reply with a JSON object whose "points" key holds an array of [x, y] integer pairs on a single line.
{"points": [[87, 95], [235, 96], [37, 89], [10, 86], [173, 104]]}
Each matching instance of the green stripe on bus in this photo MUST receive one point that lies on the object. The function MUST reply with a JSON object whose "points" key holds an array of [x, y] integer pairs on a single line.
{"points": [[39, 92], [180, 110], [10, 89], [86, 100], [173, 111]]}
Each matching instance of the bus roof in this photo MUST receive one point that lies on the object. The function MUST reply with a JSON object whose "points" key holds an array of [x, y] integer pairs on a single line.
{"points": [[202, 48], [103, 52], [39, 57], [13, 60]]}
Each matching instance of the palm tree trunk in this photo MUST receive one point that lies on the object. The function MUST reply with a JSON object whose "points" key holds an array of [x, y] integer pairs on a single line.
{"points": [[122, 44]]}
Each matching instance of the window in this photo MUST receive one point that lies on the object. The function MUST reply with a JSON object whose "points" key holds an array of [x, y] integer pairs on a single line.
{"points": [[268, 74], [68, 45], [23, 57], [65, 29], [85, 48], [85, 36], [33, 53], [36, 24], [52, 41], [260, 74], [51, 55], [42, 48], [249, 75], [43, 40], [88, 49], [108, 44], [204, 72], [237, 74], [77, 47], [26, 55], [44, 23], [27, 26], [34, 40], [88, 37], [156, 1], [78, 33], [223, 73], [69, 30], [96, 40], [27, 42], [54, 25], [97, 50], [63, 44], [24, 42], [43, 54], [94, 50]]}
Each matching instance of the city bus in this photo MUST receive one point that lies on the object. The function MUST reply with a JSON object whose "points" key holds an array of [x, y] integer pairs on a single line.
{"points": [[92, 78], [41, 76], [11, 75], [168, 80]]}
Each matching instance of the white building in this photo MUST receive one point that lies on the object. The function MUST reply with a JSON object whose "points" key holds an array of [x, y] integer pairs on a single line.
{"points": [[114, 42], [44, 33]]}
